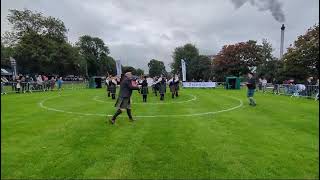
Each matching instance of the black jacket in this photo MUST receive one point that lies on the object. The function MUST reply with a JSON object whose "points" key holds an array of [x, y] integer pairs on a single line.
{"points": [[126, 88], [251, 84]]}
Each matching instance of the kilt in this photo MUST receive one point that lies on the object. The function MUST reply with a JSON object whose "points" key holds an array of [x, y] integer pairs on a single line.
{"points": [[250, 92], [144, 90], [162, 89], [112, 89], [172, 88], [123, 103]]}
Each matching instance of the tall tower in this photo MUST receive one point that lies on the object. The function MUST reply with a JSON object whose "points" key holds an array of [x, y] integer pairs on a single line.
{"points": [[282, 40]]}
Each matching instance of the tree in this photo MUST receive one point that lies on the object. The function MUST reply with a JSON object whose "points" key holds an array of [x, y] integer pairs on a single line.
{"points": [[269, 64], [139, 72], [156, 68], [26, 21], [95, 53], [188, 52], [39, 44], [237, 59], [302, 59], [6, 53], [201, 68]]}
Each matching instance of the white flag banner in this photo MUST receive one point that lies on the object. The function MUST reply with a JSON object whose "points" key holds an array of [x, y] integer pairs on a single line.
{"points": [[199, 84], [183, 67], [118, 66]]}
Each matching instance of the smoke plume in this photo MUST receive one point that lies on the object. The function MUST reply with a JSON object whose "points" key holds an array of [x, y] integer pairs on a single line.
{"points": [[274, 6]]}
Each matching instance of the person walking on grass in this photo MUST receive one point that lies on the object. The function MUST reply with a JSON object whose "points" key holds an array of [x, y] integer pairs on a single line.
{"points": [[108, 79], [144, 89], [59, 82], [113, 87], [162, 87], [127, 85], [174, 85], [251, 84], [264, 84]]}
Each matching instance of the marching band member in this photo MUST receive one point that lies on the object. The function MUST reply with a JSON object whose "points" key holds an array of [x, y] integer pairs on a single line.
{"points": [[144, 89], [113, 87], [123, 102], [162, 87]]}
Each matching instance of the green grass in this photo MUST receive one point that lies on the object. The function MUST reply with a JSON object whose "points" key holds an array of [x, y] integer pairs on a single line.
{"points": [[279, 138]]}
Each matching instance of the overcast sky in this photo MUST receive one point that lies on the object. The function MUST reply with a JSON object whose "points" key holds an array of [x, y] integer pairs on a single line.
{"points": [[139, 30]]}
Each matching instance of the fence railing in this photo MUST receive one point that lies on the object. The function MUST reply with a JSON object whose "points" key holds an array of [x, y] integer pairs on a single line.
{"points": [[29, 87], [293, 90]]}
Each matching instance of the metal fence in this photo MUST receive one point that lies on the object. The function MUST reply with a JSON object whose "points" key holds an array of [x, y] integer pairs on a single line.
{"points": [[29, 87], [293, 90]]}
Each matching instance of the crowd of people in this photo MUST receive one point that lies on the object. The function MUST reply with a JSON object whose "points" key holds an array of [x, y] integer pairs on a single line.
{"points": [[309, 88], [128, 83], [159, 86], [23, 84]]}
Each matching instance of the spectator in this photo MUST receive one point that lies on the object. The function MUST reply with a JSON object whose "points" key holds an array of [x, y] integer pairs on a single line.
{"points": [[23, 83], [59, 82], [308, 85], [264, 84], [260, 84], [18, 84], [39, 82], [275, 86], [3, 82], [317, 86], [52, 83], [28, 83]]}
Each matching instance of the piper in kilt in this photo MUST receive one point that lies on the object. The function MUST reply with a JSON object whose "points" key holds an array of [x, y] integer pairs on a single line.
{"points": [[113, 87], [123, 102], [144, 89], [162, 87], [174, 86], [155, 86], [107, 84]]}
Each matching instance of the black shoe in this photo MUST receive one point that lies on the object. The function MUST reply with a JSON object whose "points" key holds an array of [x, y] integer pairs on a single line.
{"points": [[131, 120], [112, 121]]}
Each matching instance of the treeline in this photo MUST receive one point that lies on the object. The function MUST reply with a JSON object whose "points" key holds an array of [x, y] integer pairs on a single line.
{"points": [[300, 61], [40, 46]]}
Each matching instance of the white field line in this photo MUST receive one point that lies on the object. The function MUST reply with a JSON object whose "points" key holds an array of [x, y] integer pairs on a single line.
{"points": [[154, 116], [193, 99]]}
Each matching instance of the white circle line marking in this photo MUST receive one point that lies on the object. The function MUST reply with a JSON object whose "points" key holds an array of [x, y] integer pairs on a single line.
{"points": [[193, 99], [155, 116]]}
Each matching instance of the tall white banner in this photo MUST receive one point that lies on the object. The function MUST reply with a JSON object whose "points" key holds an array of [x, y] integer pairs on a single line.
{"points": [[118, 66], [183, 67]]}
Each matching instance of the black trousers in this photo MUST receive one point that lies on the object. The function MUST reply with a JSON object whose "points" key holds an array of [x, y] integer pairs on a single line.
{"points": [[161, 97], [118, 112], [144, 98]]}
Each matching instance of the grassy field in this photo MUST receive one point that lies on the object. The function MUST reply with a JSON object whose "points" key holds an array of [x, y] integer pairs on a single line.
{"points": [[202, 134]]}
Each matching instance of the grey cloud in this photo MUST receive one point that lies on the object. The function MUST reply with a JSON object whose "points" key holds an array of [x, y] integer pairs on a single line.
{"points": [[139, 30], [274, 6]]}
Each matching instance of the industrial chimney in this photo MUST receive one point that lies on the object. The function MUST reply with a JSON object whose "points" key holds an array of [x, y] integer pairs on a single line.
{"points": [[282, 41]]}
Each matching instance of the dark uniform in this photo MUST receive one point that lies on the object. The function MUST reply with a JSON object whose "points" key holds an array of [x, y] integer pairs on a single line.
{"points": [[177, 87], [123, 101], [162, 88], [155, 86], [112, 89], [251, 84], [108, 88], [174, 87], [144, 90]]}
